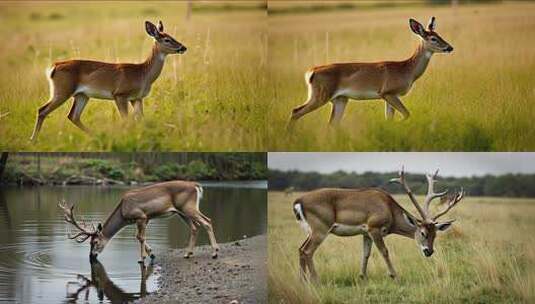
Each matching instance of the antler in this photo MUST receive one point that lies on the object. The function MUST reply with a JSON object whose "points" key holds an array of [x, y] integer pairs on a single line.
{"points": [[84, 233], [452, 201], [431, 195], [401, 180]]}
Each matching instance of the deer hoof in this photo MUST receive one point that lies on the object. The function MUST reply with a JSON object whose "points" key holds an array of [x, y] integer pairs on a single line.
{"points": [[187, 255], [214, 255], [152, 256]]}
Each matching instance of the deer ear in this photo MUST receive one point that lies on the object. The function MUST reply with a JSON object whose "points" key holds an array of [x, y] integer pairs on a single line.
{"points": [[416, 27], [151, 29], [444, 226], [160, 26], [432, 25], [99, 227]]}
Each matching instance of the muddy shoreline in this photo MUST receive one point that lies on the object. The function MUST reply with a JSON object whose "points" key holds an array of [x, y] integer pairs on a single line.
{"points": [[238, 275]]}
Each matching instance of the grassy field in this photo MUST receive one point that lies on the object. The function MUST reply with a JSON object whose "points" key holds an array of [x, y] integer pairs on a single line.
{"points": [[478, 98], [212, 98], [487, 257]]}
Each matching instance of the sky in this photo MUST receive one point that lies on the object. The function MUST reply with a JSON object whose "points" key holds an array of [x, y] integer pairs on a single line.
{"points": [[450, 164]]}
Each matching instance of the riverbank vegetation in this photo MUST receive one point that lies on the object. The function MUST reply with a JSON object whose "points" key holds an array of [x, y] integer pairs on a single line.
{"points": [[127, 168]]}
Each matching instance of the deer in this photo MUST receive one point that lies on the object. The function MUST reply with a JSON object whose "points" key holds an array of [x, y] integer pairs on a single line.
{"points": [[122, 82], [387, 80], [372, 213], [138, 206]]}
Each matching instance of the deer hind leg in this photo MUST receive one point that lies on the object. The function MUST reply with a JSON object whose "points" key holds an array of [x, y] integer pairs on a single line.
{"points": [[367, 244], [396, 103], [389, 111], [302, 259], [206, 223], [122, 105], [339, 105], [308, 251], [318, 96], [138, 108], [54, 102], [141, 226], [80, 101], [377, 238], [193, 233]]}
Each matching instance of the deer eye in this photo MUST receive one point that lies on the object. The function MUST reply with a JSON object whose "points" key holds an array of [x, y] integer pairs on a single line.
{"points": [[434, 39], [422, 233], [167, 40]]}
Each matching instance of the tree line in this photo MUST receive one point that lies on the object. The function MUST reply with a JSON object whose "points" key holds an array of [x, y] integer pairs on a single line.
{"points": [[507, 185]]}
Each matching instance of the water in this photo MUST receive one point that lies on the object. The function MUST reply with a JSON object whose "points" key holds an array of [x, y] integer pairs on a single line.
{"points": [[38, 264]]}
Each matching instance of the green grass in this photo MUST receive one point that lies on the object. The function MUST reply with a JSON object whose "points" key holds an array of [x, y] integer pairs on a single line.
{"points": [[478, 98], [487, 257], [212, 98]]}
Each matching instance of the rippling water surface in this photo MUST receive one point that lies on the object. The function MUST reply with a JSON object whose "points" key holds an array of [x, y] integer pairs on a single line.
{"points": [[38, 264]]}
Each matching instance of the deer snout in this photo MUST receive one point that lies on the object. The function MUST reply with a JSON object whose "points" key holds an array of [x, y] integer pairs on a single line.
{"points": [[449, 49], [92, 257], [182, 49], [427, 252]]}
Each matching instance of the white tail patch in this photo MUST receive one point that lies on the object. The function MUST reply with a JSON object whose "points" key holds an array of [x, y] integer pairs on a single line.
{"points": [[303, 222], [308, 76], [199, 195]]}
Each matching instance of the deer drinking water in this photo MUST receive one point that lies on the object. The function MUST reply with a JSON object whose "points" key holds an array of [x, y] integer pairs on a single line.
{"points": [[138, 206], [385, 80], [122, 82], [372, 213]]}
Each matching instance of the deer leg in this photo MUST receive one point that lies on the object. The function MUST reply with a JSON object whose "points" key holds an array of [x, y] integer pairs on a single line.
{"points": [[194, 231], [366, 250], [206, 223], [379, 242], [389, 111], [80, 101], [303, 260], [46, 109], [395, 102], [308, 251], [316, 99], [138, 108], [339, 105], [141, 225], [122, 105]]}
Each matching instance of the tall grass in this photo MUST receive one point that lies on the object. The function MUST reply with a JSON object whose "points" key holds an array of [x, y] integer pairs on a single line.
{"points": [[478, 98], [486, 257], [212, 98]]}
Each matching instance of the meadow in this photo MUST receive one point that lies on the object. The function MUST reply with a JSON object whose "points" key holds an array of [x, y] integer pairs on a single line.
{"points": [[212, 98], [478, 98], [488, 256]]}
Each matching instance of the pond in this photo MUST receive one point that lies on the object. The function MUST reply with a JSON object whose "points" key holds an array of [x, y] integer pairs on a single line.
{"points": [[38, 264]]}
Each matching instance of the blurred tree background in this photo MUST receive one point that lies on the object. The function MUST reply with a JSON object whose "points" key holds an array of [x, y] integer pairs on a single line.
{"points": [[130, 168], [508, 185]]}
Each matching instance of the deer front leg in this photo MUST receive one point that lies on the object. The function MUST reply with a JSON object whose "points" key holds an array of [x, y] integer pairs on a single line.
{"points": [[377, 238], [138, 108], [396, 103], [366, 250], [141, 225]]}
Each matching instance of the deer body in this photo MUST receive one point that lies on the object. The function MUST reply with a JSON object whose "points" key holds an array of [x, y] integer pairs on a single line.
{"points": [[123, 82], [372, 213], [141, 205], [385, 80]]}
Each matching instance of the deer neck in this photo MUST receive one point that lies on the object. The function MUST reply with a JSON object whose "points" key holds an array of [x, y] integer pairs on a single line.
{"points": [[154, 64], [114, 223], [401, 226], [419, 61]]}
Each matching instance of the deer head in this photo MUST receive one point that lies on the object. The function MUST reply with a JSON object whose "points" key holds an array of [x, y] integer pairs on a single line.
{"points": [[431, 40], [166, 44], [85, 231], [427, 226]]}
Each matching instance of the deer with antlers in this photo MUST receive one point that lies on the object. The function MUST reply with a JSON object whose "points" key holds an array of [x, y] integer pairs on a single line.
{"points": [[138, 206], [123, 82], [372, 213], [385, 80]]}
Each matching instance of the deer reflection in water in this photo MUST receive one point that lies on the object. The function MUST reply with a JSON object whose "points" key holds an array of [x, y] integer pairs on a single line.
{"points": [[105, 286]]}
